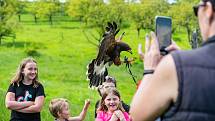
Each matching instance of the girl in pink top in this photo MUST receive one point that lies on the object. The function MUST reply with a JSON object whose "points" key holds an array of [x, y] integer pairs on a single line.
{"points": [[111, 108]]}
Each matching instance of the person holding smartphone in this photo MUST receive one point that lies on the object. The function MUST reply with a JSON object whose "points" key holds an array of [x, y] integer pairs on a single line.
{"points": [[180, 86]]}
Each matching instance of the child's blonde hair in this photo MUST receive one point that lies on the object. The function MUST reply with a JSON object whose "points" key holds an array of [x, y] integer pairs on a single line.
{"points": [[103, 107], [56, 106]]}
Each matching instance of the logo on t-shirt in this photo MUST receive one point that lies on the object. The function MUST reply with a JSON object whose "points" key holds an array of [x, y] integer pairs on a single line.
{"points": [[27, 97]]}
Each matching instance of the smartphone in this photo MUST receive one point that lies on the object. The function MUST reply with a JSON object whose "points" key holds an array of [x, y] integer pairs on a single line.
{"points": [[163, 32]]}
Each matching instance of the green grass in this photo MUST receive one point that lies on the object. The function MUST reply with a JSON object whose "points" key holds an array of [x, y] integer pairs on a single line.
{"points": [[63, 54]]}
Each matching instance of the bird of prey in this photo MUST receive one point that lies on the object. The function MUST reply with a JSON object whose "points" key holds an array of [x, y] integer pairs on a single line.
{"points": [[109, 53]]}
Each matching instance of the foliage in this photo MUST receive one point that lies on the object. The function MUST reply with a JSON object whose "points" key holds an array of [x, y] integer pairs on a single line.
{"points": [[153, 8], [143, 14], [43, 8], [32, 8], [48, 8], [20, 8], [78, 8], [118, 11], [183, 18], [32, 52], [96, 13], [7, 22], [137, 15]]}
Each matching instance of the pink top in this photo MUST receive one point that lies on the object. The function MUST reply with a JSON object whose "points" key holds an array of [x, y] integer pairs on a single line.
{"points": [[105, 116]]}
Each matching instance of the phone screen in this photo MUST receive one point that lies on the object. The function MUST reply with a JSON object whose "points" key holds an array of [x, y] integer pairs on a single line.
{"points": [[163, 31]]}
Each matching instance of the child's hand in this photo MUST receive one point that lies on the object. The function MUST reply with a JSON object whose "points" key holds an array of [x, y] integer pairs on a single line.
{"points": [[119, 115], [87, 104]]}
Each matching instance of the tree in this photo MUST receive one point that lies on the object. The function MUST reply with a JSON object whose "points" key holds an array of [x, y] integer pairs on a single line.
{"points": [[100, 13], [185, 17], [44, 8], [32, 8], [7, 23], [78, 9], [137, 15], [97, 16], [152, 8], [20, 8], [47, 8], [118, 10]]}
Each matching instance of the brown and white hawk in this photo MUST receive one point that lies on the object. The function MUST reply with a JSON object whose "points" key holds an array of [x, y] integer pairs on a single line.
{"points": [[109, 53]]}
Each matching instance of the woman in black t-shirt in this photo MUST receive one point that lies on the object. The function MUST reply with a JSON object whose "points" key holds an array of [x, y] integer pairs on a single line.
{"points": [[25, 96]]}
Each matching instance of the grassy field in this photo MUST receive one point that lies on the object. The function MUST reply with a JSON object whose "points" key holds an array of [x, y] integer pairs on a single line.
{"points": [[63, 52]]}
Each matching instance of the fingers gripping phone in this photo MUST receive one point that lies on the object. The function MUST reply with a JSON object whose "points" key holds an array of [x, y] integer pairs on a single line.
{"points": [[163, 32]]}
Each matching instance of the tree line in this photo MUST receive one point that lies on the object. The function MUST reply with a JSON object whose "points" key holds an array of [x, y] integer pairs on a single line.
{"points": [[96, 13]]}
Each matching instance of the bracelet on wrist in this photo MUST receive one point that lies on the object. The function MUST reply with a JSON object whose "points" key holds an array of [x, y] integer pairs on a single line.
{"points": [[148, 72]]}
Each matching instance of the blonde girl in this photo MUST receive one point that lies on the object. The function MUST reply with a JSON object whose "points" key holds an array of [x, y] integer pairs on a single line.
{"points": [[25, 96]]}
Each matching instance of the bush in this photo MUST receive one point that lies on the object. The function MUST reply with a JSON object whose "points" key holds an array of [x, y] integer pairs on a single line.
{"points": [[32, 52]]}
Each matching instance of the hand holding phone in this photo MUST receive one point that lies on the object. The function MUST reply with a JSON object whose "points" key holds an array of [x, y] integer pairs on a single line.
{"points": [[163, 32]]}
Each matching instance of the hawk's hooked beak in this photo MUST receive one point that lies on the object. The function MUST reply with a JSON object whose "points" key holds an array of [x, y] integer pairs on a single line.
{"points": [[130, 51]]}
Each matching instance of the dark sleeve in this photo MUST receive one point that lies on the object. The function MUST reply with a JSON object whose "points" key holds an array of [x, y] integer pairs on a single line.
{"points": [[40, 91], [12, 88], [126, 107], [96, 107]]}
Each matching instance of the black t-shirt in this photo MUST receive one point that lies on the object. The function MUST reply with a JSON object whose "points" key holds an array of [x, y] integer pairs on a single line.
{"points": [[125, 106], [25, 93]]}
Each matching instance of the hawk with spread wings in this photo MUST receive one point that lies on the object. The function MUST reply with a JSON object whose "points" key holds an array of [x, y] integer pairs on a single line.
{"points": [[109, 53]]}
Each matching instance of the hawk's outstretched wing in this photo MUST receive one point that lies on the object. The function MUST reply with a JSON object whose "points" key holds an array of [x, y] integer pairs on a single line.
{"points": [[108, 41]]}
